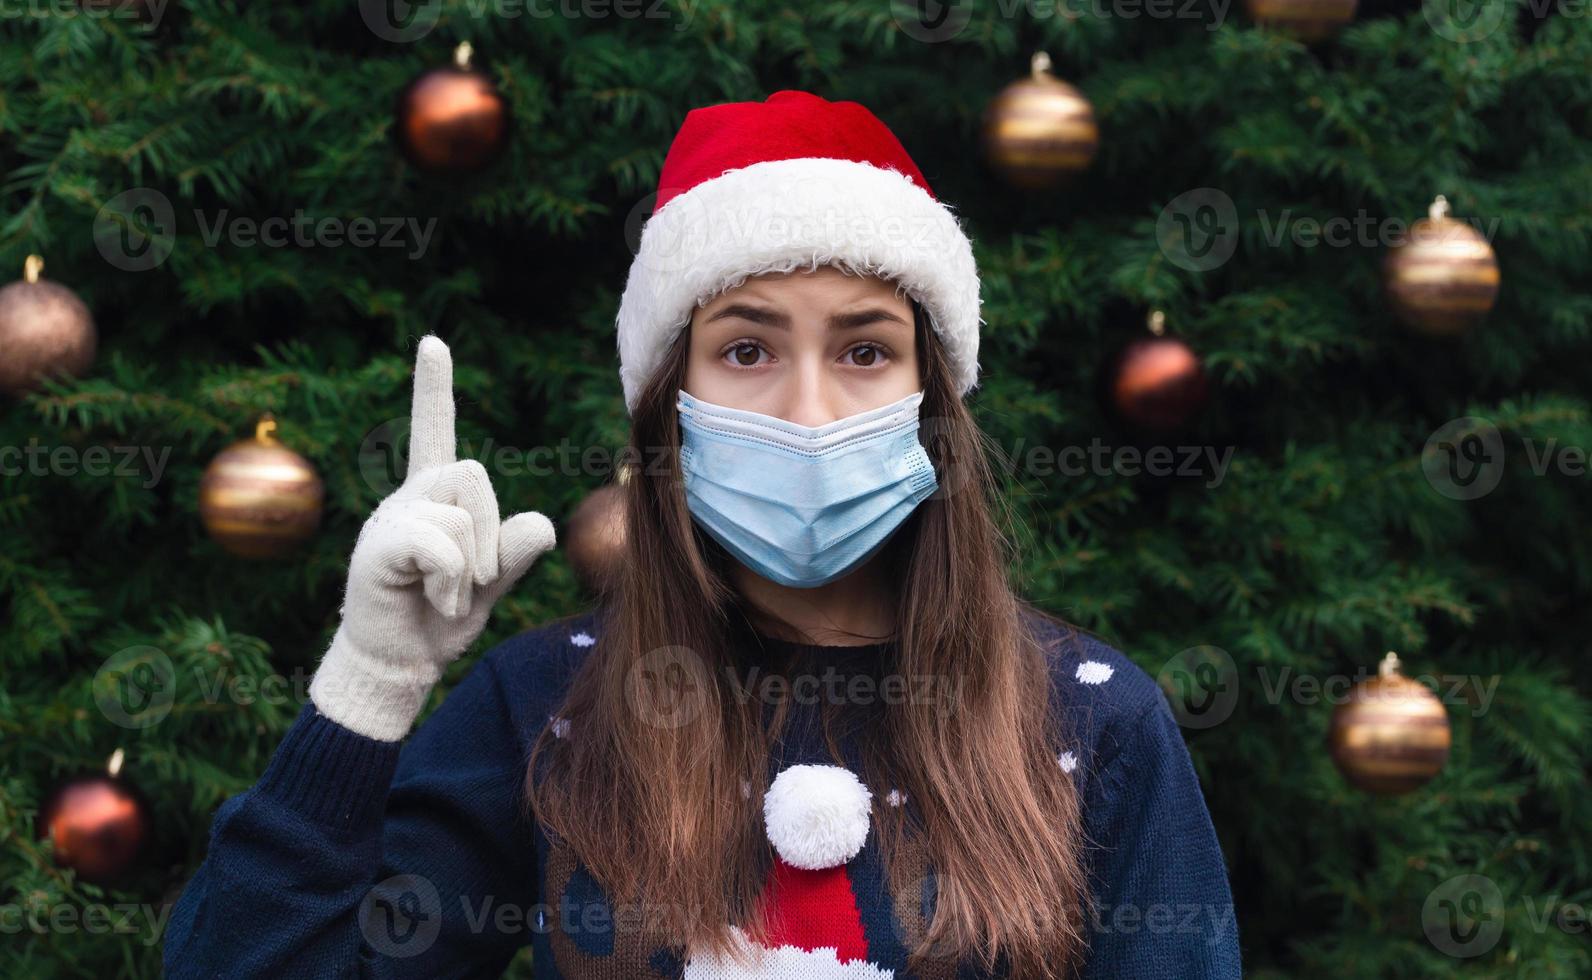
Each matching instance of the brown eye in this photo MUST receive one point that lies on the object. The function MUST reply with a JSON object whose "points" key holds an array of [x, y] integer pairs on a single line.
{"points": [[745, 354], [865, 356]]}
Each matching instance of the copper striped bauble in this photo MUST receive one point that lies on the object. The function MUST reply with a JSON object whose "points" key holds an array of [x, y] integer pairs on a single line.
{"points": [[1039, 130], [1391, 734], [1306, 20], [1443, 278], [258, 498], [46, 331]]}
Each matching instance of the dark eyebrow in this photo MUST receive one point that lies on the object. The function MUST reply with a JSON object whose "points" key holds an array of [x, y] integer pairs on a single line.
{"points": [[771, 318]]}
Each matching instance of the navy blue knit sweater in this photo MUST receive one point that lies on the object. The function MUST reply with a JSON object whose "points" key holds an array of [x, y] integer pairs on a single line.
{"points": [[357, 858]]}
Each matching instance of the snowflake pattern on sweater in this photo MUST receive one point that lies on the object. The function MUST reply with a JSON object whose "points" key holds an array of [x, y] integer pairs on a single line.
{"points": [[357, 858]]}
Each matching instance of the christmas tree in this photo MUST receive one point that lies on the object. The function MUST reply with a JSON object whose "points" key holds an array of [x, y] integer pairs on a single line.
{"points": [[237, 196]]}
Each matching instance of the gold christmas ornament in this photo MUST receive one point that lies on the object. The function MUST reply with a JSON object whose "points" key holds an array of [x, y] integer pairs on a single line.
{"points": [[45, 330], [1443, 279], [594, 536], [1039, 130], [1391, 735], [1306, 20], [258, 498]]}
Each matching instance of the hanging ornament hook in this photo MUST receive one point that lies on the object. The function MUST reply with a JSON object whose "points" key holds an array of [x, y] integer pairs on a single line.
{"points": [[1438, 209], [1389, 666], [264, 427], [32, 268], [1039, 65]]}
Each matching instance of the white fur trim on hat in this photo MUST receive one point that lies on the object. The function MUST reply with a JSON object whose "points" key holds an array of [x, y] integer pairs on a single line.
{"points": [[784, 215], [817, 816]]}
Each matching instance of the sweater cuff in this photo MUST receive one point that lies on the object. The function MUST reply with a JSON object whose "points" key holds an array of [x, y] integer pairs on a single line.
{"points": [[329, 774]]}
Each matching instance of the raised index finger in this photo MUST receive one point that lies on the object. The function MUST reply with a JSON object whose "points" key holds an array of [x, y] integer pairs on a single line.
{"points": [[431, 415]]}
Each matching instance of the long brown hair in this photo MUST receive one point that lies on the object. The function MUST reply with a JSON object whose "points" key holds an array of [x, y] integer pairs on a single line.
{"points": [[662, 799]]}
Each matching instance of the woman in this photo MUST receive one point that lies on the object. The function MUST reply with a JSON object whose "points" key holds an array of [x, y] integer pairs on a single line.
{"points": [[810, 731]]}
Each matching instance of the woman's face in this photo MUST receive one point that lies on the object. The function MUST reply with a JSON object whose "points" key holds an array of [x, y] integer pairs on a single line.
{"points": [[809, 347]]}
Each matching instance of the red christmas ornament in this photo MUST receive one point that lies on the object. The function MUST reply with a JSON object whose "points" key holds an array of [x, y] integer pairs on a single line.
{"points": [[1157, 383], [452, 120], [97, 824]]}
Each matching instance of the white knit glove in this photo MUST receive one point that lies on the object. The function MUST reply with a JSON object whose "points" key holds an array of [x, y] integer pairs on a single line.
{"points": [[429, 564]]}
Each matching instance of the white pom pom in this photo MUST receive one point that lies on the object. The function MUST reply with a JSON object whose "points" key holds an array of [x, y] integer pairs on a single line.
{"points": [[817, 815]]}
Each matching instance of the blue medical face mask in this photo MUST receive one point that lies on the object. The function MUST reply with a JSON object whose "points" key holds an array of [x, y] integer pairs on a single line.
{"points": [[802, 505]]}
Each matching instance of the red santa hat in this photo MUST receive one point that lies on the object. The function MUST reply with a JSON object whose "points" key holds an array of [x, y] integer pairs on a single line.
{"points": [[791, 183], [817, 818]]}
